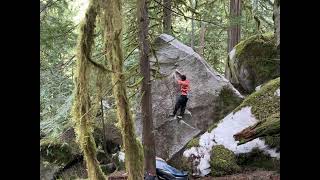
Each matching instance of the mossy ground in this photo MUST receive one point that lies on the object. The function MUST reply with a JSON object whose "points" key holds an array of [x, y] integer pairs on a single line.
{"points": [[223, 161], [257, 159], [265, 104]]}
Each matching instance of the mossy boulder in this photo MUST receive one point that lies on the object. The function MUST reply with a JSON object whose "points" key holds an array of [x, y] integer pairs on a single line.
{"points": [[253, 62], [56, 152], [265, 106], [223, 161]]}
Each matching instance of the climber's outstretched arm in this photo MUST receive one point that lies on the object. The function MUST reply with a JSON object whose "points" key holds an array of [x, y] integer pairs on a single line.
{"points": [[179, 73]]}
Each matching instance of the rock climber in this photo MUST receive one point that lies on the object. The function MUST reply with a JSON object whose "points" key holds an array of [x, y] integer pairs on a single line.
{"points": [[183, 98]]}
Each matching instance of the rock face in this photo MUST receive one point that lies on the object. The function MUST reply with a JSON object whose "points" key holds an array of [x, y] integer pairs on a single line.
{"points": [[253, 62], [211, 97], [258, 113]]}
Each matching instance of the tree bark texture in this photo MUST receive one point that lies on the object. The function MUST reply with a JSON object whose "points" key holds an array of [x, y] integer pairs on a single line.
{"points": [[113, 37], [82, 115], [192, 31], [276, 19], [234, 30], [146, 106], [167, 21], [202, 39]]}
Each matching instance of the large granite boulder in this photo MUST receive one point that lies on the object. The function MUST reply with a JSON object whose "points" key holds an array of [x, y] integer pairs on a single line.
{"points": [[212, 96], [253, 62]]}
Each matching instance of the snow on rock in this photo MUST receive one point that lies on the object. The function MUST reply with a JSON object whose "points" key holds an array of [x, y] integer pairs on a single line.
{"points": [[121, 156], [223, 135], [277, 92], [258, 88]]}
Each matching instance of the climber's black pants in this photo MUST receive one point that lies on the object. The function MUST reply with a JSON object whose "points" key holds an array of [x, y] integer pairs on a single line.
{"points": [[181, 103]]}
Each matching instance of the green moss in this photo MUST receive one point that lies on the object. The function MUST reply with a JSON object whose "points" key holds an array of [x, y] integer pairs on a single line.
{"points": [[193, 143], [55, 151], [273, 141], [258, 159], [265, 106], [213, 126], [181, 162], [259, 38], [225, 103], [223, 161], [263, 102]]}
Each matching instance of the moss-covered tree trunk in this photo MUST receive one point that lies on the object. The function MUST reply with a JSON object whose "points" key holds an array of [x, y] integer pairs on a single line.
{"points": [[146, 106], [82, 113], [113, 37]]}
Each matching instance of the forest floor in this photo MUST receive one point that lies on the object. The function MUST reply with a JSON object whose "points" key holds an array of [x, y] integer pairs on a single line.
{"points": [[250, 175]]}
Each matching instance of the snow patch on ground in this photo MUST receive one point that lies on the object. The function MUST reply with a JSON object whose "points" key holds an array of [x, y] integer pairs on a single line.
{"points": [[223, 135], [121, 156], [277, 92], [258, 88]]}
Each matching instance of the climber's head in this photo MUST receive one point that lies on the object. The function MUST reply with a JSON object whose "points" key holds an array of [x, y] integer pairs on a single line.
{"points": [[183, 77]]}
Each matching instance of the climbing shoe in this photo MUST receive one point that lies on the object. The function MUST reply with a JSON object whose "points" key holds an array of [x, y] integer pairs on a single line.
{"points": [[171, 115], [179, 117]]}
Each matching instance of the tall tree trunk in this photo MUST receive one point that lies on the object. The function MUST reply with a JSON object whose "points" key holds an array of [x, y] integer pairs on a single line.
{"points": [[234, 30], [81, 108], [192, 31], [202, 40], [167, 21], [113, 37], [146, 106], [276, 19]]}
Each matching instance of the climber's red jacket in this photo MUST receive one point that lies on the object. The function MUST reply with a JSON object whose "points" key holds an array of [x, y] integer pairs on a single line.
{"points": [[184, 86]]}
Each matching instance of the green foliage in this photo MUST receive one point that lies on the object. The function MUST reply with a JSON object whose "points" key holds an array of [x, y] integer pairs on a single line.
{"points": [[223, 161], [56, 152], [57, 41]]}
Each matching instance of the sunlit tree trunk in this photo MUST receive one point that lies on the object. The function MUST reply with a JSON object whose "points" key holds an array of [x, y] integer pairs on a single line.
{"points": [[113, 37], [82, 114]]}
